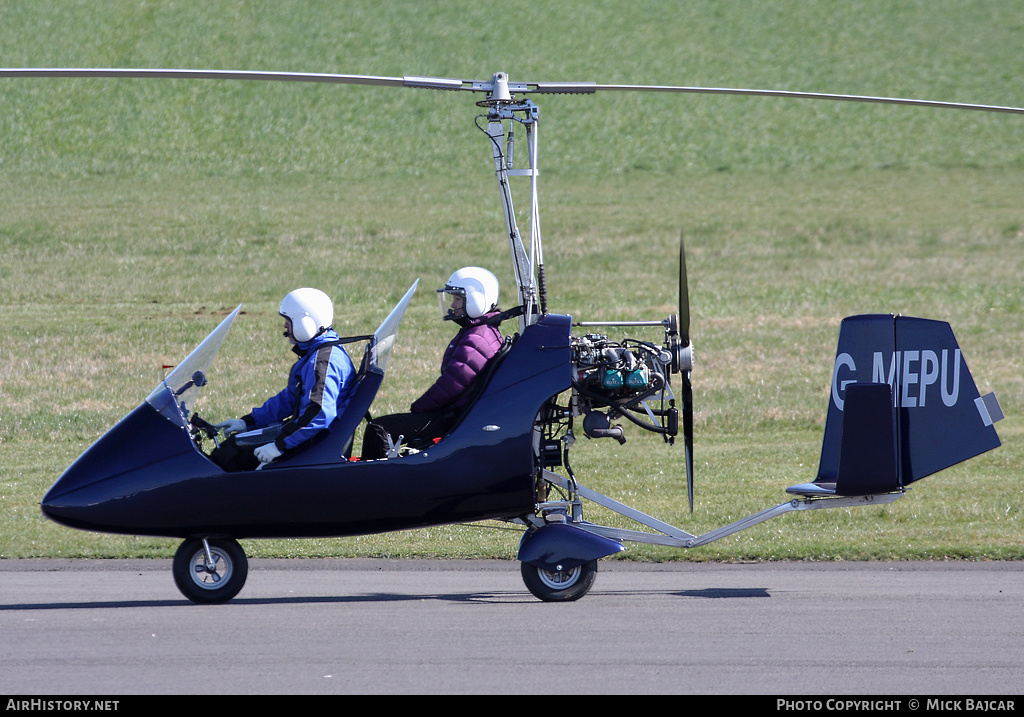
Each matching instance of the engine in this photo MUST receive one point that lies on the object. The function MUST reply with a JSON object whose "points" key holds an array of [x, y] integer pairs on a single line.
{"points": [[628, 379]]}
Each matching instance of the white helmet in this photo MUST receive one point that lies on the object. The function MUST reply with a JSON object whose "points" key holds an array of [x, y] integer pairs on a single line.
{"points": [[311, 312], [478, 286]]}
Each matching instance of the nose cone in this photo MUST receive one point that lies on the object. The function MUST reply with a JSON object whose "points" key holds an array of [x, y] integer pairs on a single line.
{"points": [[104, 489]]}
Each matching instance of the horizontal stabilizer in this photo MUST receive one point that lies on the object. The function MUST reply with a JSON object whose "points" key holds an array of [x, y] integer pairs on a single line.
{"points": [[812, 489]]}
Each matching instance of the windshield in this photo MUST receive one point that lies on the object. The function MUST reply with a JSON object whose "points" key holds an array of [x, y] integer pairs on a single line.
{"points": [[175, 396], [384, 337]]}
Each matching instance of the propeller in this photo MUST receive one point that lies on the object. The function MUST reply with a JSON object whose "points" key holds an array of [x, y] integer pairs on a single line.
{"points": [[687, 388]]}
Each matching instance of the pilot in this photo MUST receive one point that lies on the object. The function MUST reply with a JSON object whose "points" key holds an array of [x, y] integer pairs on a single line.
{"points": [[319, 385], [470, 300]]}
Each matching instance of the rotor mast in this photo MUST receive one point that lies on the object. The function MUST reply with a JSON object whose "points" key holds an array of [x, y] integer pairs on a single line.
{"points": [[504, 111]]}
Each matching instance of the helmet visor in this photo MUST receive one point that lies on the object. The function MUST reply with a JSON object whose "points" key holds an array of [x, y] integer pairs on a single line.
{"points": [[451, 300]]}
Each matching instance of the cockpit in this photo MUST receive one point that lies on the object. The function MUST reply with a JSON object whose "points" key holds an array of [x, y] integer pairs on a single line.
{"points": [[176, 395]]}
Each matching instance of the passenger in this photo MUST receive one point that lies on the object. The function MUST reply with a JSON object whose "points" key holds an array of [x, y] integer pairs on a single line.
{"points": [[473, 296], [319, 386]]}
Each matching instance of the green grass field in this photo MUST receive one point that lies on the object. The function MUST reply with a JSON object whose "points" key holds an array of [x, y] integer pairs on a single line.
{"points": [[136, 212]]}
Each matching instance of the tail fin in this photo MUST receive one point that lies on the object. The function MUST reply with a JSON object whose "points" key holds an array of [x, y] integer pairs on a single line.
{"points": [[903, 405]]}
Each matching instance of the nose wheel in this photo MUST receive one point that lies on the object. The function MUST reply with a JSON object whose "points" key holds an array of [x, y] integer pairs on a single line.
{"points": [[210, 571]]}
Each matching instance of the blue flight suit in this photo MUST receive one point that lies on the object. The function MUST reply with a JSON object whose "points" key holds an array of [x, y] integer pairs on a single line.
{"points": [[319, 387]]}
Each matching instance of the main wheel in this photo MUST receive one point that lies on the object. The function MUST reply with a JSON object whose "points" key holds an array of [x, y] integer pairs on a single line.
{"points": [[203, 581], [559, 585]]}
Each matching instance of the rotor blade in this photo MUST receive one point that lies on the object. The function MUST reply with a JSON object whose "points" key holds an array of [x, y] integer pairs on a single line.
{"points": [[592, 87], [437, 83], [808, 95], [687, 391], [684, 295]]}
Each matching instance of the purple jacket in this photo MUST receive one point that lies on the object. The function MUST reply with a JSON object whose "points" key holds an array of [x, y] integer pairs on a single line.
{"points": [[467, 354]]}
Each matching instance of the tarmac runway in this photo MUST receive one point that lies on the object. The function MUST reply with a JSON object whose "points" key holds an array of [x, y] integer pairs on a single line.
{"points": [[358, 626]]}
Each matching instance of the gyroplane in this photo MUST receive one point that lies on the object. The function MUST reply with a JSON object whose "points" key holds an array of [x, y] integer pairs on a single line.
{"points": [[902, 406]]}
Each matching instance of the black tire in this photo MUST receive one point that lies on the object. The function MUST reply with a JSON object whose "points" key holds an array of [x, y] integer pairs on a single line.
{"points": [[560, 585], [210, 584]]}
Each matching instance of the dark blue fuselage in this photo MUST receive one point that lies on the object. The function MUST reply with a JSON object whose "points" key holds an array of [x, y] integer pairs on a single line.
{"points": [[146, 476]]}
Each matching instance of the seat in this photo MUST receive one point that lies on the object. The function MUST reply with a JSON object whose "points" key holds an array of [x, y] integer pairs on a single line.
{"points": [[334, 445], [479, 385]]}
